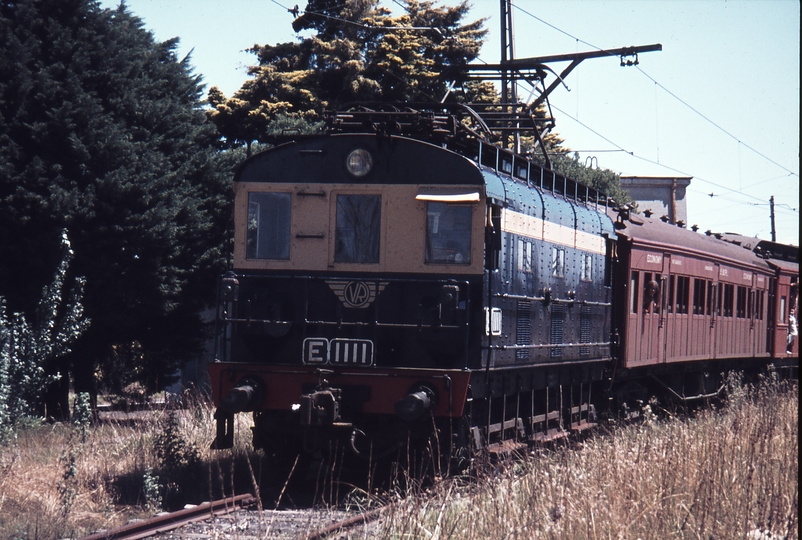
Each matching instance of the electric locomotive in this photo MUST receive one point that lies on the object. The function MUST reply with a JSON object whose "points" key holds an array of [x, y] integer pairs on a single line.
{"points": [[401, 280]]}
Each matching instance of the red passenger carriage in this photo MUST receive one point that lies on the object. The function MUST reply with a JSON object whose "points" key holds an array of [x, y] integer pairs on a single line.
{"points": [[702, 301]]}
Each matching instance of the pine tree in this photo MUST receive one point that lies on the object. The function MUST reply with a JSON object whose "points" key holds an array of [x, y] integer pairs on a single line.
{"points": [[102, 131], [360, 53]]}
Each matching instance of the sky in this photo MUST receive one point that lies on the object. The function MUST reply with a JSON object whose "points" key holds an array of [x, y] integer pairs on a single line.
{"points": [[719, 103]]}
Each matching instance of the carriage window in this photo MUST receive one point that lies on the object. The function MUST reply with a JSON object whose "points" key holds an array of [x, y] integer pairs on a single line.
{"points": [[557, 262], [740, 304], [358, 228], [448, 233], [710, 287], [699, 290], [750, 300], [268, 235], [759, 299], [729, 293], [670, 302], [633, 293], [651, 294], [683, 294]]}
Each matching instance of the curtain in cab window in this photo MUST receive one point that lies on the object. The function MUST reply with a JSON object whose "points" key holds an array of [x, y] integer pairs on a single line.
{"points": [[358, 229], [268, 226], [448, 233]]}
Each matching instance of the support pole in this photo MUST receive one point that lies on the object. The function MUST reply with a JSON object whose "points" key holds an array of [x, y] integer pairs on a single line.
{"points": [[773, 230]]}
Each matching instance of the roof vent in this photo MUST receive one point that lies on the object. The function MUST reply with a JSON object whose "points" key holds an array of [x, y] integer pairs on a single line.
{"points": [[664, 218], [695, 227], [648, 213]]}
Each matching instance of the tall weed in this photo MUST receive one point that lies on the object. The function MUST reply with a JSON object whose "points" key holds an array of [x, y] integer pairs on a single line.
{"points": [[719, 474]]}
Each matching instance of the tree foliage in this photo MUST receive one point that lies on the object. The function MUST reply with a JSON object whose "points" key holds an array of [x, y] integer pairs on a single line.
{"points": [[102, 132], [604, 180], [26, 348], [360, 52]]}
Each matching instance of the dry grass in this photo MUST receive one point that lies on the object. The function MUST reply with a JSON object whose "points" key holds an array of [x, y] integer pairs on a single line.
{"points": [[730, 473], [718, 474], [54, 485]]}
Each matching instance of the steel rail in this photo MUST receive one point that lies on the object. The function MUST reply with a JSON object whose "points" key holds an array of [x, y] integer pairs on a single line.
{"points": [[173, 520], [342, 526]]}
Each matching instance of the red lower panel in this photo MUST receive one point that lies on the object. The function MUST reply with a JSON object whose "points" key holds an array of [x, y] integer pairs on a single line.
{"points": [[285, 385]]}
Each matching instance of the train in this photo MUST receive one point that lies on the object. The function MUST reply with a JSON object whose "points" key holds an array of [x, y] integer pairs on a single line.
{"points": [[403, 279]]}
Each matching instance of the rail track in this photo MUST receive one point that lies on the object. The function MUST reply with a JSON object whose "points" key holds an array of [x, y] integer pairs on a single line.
{"points": [[241, 517]]}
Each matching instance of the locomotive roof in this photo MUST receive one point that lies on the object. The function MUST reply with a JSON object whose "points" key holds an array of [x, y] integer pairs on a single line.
{"points": [[321, 159], [655, 233], [469, 130]]}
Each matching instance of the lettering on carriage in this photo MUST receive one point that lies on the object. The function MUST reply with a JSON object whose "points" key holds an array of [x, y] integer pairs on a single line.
{"points": [[722, 272], [761, 279], [709, 268], [654, 259], [747, 276], [677, 262]]}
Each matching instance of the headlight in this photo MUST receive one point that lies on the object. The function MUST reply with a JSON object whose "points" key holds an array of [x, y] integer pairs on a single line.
{"points": [[359, 162], [229, 287]]}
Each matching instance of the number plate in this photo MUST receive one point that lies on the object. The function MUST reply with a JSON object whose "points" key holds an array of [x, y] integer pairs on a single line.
{"points": [[338, 351]]}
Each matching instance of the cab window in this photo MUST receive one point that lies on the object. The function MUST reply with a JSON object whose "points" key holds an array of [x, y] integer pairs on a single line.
{"points": [[358, 229], [268, 235], [448, 233]]}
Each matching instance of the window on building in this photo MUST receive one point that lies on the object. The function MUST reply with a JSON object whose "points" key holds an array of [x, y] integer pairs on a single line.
{"points": [[268, 231], [358, 229]]}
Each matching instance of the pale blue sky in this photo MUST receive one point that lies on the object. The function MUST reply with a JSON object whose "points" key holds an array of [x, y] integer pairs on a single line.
{"points": [[735, 62]]}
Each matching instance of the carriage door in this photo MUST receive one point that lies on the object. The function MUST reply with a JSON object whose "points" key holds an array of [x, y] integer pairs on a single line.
{"points": [[662, 306], [676, 311], [651, 339], [750, 315], [710, 309]]}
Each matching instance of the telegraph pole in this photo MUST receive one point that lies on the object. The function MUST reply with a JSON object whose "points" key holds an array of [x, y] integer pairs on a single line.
{"points": [[509, 95], [773, 230]]}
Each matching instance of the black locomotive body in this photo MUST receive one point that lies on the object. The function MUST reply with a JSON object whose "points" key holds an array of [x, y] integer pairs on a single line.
{"points": [[398, 280]]}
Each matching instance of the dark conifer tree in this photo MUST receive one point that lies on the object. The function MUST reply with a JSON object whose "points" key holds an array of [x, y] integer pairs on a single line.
{"points": [[102, 133]]}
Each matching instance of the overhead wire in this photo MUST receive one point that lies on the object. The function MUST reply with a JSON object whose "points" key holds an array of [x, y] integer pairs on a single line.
{"points": [[618, 147], [672, 94], [668, 167]]}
